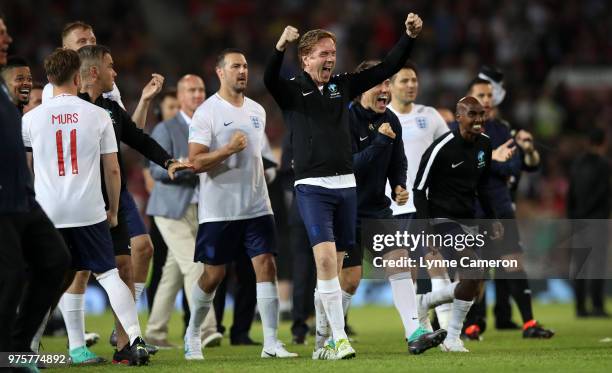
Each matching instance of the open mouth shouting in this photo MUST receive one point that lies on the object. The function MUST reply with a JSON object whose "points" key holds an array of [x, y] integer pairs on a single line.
{"points": [[24, 93], [381, 102]]}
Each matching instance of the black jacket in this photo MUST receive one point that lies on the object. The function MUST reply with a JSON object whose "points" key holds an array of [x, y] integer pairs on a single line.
{"points": [[452, 173], [319, 121], [376, 158], [127, 132], [16, 187]]}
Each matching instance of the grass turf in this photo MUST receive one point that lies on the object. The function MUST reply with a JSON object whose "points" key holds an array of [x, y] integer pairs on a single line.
{"points": [[380, 347]]}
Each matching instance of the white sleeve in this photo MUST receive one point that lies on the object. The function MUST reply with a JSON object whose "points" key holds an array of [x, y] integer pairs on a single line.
{"points": [[108, 142], [47, 92], [440, 126], [25, 131], [200, 130], [266, 151]]}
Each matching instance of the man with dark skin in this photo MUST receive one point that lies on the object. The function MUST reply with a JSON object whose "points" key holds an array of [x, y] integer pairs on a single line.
{"points": [[18, 78], [451, 175]]}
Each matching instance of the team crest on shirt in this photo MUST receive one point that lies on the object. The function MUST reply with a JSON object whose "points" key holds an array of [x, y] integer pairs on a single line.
{"points": [[333, 90], [481, 159], [255, 121], [110, 114], [421, 122]]}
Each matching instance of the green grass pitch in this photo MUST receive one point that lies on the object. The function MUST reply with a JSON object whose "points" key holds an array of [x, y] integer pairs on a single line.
{"points": [[380, 348]]}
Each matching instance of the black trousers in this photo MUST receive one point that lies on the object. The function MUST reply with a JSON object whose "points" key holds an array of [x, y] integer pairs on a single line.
{"points": [[31, 252], [160, 253], [243, 281]]}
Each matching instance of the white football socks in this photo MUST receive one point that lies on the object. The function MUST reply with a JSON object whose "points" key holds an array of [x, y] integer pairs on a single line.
{"points": [[346, 302], [138, 289], [404, 298], [322, 325], [331, 297], [122, 302], [267, 303], [73, 312], [441, 296], [199, 309], [442, 311], [459, 311]]}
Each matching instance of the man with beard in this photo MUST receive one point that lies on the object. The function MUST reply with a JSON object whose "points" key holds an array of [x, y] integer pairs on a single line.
{"points": [[98, 76], [226, 139]]}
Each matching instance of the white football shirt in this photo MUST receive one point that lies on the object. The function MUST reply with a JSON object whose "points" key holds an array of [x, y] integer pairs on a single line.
{"points": [[67, 136], [236, 189], [114, 95], [420, 128]]}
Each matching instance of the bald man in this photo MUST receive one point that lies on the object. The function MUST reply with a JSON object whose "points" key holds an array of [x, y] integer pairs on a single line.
{"points": [[452, 173], [174, 206]]}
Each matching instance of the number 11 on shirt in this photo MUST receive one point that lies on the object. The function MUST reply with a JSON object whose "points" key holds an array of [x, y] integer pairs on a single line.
{"points": [[60, 152]]}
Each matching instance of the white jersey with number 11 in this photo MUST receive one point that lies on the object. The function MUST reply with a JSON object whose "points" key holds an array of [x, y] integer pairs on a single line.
{"points": [[67, 135]]}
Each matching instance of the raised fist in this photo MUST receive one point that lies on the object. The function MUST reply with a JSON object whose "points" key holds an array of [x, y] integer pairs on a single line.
{"points": [[152, 88], [237, 143], [413, 25], [386, 130], [290, 34]]}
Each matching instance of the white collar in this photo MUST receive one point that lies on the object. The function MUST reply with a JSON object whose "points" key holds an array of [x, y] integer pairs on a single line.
{"points": [[185, 117]]}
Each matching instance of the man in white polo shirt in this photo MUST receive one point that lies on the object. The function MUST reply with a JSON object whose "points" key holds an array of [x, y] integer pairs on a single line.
{"points": [[67, 138], [226, 139]]}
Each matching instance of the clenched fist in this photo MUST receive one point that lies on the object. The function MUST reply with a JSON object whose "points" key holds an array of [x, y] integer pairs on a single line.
{"points": [[290, 34], [152, 88], [413, 25], [237, 143], [401, 195], [386, 130]]}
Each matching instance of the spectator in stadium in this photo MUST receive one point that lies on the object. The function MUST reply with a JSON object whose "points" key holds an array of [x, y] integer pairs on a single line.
{"points": [[166, 108], [174, 206]]}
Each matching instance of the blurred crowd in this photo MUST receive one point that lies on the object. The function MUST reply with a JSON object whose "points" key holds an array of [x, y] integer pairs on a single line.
{"points": [[532, 42]]}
